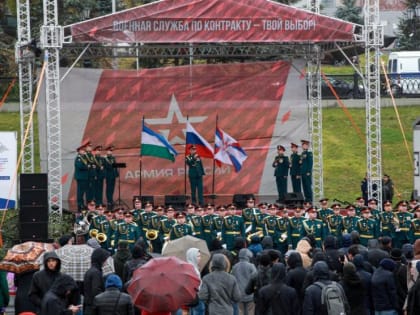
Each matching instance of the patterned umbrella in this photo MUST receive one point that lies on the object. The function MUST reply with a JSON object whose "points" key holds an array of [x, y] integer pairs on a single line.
{"points": [[75, 261], [25, 257], [164, 284]]}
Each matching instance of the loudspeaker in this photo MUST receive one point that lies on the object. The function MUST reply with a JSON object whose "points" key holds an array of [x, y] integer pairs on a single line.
{"points": [[145, 199], [239, 200], [33, 214], [177, 201], [34, 231], [33, 181], [294, 199], [34, 198]]}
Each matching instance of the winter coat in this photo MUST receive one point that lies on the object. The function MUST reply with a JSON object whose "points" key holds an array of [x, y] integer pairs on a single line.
{"points": [[277, 297], [260, 279], [354, 289], [4, 289], [108, 303], [219, 289], [93, 282], [413, 299], [120, 258], [244, 271], [23, 284], [43, 280], [304, 248], [296, 274], [384, 292], [400, 275], [312, 301], [131, 265], [56, 300], [366, 278]]}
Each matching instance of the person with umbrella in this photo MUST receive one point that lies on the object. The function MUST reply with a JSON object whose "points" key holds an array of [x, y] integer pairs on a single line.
{"points": [[43, 279]]}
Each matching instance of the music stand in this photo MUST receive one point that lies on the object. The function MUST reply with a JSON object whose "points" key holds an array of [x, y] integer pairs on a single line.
{"points": [[118, 166]]}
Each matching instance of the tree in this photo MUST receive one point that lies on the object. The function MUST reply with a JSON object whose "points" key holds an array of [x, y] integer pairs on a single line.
{"points": [[350, 12], [409, 28]]}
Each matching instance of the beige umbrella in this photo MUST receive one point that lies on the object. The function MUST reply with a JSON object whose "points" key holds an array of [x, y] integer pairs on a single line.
{"points": [[179, 247]]}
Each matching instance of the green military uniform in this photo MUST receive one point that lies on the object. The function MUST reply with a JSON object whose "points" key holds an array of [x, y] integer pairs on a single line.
{"points": [[145, 221], [277, 230], [415, 230], [281, 172], [81, 175], [317, 228], [248, 215], [197, 226], [368, 229], [324, 213], [217, 226], [387, 220], [180, 230], [92, 175], [208, 231], [259, 224], [102, 225], [155, 226], [296, 231], [128, 232], [99, 184], [111, 173], [136, 215], [306, 165], [195, 175], [232, 228], [166, 227], [295, 171], [335, 223], [403, 233], [350, 224]]}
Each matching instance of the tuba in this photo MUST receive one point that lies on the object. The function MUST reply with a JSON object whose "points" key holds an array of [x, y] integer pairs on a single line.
{"points": [[93, 233], [152, 234], [258, 233], [101, 237]]}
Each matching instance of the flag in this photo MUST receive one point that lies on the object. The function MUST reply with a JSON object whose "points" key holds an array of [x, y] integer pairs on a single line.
{"points": [[228, 150], [153, 144], [204, 149]]}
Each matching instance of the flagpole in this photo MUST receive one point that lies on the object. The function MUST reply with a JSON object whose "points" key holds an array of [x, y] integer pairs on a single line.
{"points": [[141, 154], [214, 160], [185, 165]]}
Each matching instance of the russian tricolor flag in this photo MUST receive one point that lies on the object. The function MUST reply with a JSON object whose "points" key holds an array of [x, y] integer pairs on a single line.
{"points": [[228, 150], [204, 149]]}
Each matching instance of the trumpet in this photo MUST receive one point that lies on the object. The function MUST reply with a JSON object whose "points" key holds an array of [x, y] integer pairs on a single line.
{"points": [[283, 237], [101, 237], [152, 234], [93, 233], [258, 233]]}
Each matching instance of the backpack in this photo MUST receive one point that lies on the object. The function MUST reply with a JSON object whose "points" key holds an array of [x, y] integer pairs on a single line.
{"points": [[332, 298]]}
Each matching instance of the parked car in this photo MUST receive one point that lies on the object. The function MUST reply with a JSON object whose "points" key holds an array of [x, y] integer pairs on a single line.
{"points": [[344, 89]]}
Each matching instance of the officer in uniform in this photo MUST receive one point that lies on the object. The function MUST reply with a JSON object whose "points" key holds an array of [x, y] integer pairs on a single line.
{"points": [[350, 220], [195, 175], [248, 214], [181, 228], [415, 224], [137, 209], [167, 223], [92, 175], [100, 174], [102, 227], [281, 172], [388, 220], [306, 164], [232, 227], [259, 224], [153, 233], [295, 226], [81, 175], [197, 222], [127, 231], [218, 220], [295, 172], [277, 226], [111, 173], [335, 223], [118, 218], [374, 211], [367, 227], [146, 217], [360, 203], [315, 227], [208, 225], [325, 211], [403, 232]]}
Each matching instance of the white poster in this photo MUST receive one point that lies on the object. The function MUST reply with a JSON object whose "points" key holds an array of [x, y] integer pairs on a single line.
{"points": [[8, 160]]}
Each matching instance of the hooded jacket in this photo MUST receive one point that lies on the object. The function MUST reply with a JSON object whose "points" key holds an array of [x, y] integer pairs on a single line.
{"points": [[120, 258], [43, 280], [219, 289], [384, 292], [56, 299], [296, 274], [244, 271], [354, 288], [93, 282], [304, 248], [312, 301], [277, 297]]}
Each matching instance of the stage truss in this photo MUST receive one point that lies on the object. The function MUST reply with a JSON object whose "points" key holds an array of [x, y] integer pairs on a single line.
{"points": [[52, 41]]}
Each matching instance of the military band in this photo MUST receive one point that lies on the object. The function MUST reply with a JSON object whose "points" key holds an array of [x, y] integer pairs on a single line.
{"points": [[285, 226]]}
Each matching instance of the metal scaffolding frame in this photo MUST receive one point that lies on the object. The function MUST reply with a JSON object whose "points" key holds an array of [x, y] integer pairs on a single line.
{"points": [[373, 37], [52, 40], [25, 58]]}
